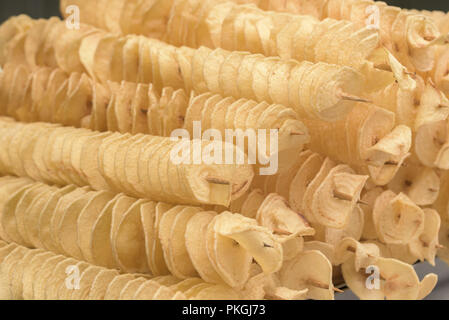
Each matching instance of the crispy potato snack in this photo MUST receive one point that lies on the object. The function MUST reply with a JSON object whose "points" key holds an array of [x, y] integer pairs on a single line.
{"points": [[33, 274], [367, 138], [223, 150], [95, 164], [320, 90], [139, 236]]}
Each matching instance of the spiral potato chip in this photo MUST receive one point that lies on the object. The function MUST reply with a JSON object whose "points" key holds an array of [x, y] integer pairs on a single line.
{"points": [[334, 89], [246, 28], [48, 279], [101, 174], [216, 112], [78, 101], [379, 149], [400, 30]]}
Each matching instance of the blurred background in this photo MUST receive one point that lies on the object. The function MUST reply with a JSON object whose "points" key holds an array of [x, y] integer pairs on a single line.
{"points": [[48, 8]]}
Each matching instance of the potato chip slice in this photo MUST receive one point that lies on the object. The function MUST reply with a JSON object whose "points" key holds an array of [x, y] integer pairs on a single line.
{"points": [[23, 209], [130, 289], [129, 242], [311, 270], [44, 275], [302, 181], [86, 221], [57, 215], [425, 247], [420, 184], [397, 219], [100, 245], [147, 290], [101, 283], [195, 237], [9, 222], [276, 215], [174, 242], [47, 213], [218, 247]]}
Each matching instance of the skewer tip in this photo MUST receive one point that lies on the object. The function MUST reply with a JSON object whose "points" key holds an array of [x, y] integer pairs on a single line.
{"points": [[297, 133], [217, 181], [351, 97]]}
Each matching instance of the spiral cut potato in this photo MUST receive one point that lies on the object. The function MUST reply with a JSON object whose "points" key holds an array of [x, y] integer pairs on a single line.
{"points": [[35, 274], [223, 149], [242, 26], [53, 96], [402, 97], [246, 118], [319, 90], [121, 163], [101, 55], [366, 139], [137, 236], [218, 24], [324, 192], [410, 36], [147, 17]]}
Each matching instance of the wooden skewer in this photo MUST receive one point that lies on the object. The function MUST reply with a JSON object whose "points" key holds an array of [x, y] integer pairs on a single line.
{"points": [[383, 66], [319, 284], [341, 196], [217, 181], [351, 97], [281, 232]]}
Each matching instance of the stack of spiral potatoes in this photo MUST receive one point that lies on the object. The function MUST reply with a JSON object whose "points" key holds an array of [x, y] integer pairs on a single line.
{"points": [[223, 150]]}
